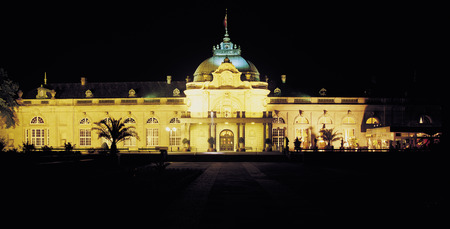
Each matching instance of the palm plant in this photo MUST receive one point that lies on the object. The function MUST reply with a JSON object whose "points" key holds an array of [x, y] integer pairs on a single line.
{"points": [[330, 135], [115, 131]]}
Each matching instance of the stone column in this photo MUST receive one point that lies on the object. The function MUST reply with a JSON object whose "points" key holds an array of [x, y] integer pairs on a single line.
{"points": [[215, 136], [209, 130], [238, 131], [188, 130], [264, 134], [270, 130], [243, 131]]}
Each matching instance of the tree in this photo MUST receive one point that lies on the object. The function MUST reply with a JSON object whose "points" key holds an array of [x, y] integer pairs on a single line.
{"points": [[211, 142], [330, 135], [115, 131], [8, 103]]}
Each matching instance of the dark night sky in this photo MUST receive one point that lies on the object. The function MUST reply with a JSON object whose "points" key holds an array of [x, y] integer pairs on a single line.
{"points": [[336, 46]]}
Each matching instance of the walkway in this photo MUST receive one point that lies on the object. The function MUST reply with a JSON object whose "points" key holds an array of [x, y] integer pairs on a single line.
{"points": [[283, 194], [239, 194]]}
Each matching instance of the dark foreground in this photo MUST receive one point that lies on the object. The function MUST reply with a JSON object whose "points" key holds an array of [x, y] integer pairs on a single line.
{"points": [[401, 191]]}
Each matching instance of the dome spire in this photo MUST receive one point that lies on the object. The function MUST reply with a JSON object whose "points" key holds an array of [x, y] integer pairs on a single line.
{"points": [[225, 23]]}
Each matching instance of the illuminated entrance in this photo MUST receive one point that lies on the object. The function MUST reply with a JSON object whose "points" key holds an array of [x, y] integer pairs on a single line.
{"points": [[226, 140]]}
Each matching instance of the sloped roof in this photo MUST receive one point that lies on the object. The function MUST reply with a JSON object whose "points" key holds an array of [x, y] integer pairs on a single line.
{"points": [[149, 89]]}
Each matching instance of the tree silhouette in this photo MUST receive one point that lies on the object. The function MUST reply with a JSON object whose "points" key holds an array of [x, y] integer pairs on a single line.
{"points": [[8, 103], [330, 135], [115, 131]]}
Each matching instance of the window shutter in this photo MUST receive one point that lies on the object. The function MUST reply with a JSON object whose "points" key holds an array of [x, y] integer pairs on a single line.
{"points": [[26, 136], [48, 137]]}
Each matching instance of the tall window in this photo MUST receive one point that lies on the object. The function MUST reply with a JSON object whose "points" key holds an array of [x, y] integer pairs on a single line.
{"points": [[349, 131], [153, 132], [152, 136], [349, 134], [37, 136], [85, 137], [130, 141], [174, 137], [85, 132], [303, 135], [278, 137]]}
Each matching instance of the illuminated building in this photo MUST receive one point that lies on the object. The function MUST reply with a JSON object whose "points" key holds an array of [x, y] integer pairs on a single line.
{"points": [[226, 100]]}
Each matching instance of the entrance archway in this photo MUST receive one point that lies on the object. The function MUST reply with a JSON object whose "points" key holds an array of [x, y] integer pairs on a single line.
{"points": [[226, 140]]}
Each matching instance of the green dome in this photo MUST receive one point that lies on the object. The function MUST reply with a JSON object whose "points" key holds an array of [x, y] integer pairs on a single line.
{"points": [[220, 52], [211, 64]]}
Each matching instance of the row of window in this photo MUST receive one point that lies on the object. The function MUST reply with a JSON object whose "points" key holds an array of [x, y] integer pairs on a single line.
{"points": [[423, 119], [302, 134], [322, 120], [86, 121], [41, 137]]}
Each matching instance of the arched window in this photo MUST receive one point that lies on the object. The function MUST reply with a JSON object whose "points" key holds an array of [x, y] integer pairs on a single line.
{"points": [[372, 121], [349, 120], [301, 120], [278, 137], [85, 133], [37, 120], [425, 119], [152, 133], [107, 120], [37, 136], [325, 120], [129, 121], [130, 141], [152, 120], [85, 121], [278, 120], [174, 120]]}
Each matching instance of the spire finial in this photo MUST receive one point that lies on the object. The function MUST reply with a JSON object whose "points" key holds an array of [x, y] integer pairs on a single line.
{"points": [[45, 78], [225, 23]]}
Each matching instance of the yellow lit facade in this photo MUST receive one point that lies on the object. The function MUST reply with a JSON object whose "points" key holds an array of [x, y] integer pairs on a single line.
{"points": [[225, 100]]}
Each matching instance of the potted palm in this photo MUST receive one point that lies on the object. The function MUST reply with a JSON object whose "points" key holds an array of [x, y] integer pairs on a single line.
{"points": [[211, 142], [241, 141], [114, 131], [330, 135], [268, 142], [297, 144], [186, 143]]}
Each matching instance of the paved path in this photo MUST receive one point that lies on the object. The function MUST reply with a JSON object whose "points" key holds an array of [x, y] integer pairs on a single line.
{"points": [[283, 194], [238, 194]]}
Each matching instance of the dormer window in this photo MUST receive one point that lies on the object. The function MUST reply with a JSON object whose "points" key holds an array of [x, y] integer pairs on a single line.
{"points": [[277, 91], [131, 93], [89, 94], [42, 93], [176, 92]]}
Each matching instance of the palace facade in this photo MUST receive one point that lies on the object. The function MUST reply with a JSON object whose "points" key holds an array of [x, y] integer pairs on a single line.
{"points": [[226, 100]]}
